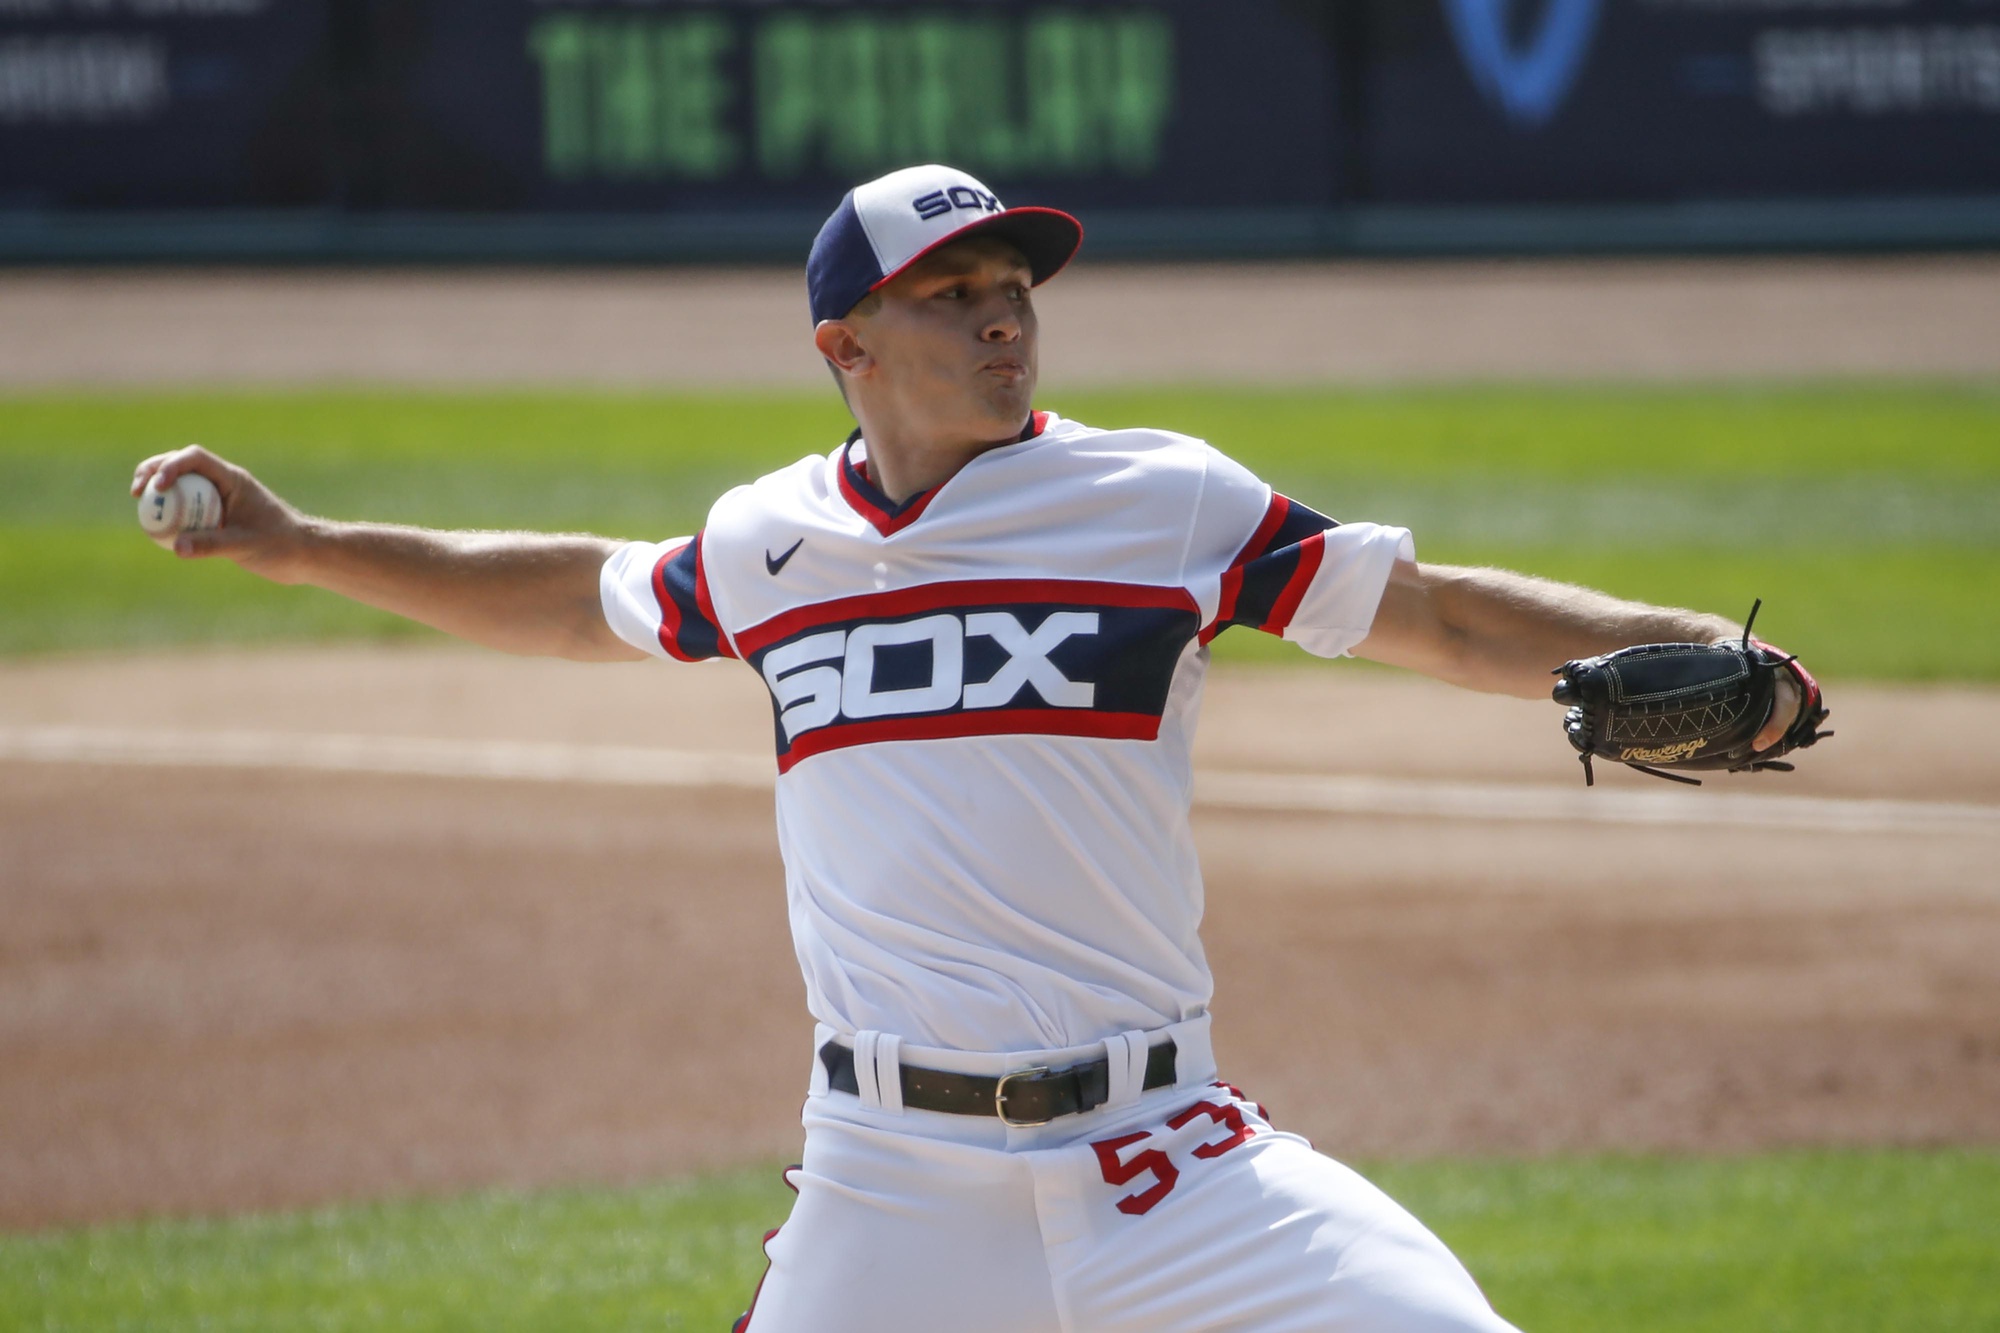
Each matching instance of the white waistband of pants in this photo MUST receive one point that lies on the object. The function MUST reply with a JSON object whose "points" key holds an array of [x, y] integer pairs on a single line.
{"points": [[1194, 1058]]}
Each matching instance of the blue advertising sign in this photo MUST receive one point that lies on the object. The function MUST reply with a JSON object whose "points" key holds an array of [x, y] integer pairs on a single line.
{"points": [[163, 103], [1535, 101]]}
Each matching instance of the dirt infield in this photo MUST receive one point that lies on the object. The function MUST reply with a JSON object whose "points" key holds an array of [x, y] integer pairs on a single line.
{"points": [[1200, 323], [223, 988]]}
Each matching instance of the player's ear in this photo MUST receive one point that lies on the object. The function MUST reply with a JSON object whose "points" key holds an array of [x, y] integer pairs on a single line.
{"points": [[839, 342]]}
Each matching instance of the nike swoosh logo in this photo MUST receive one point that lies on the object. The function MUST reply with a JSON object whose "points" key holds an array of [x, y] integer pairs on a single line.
{"points": [[776, 563]]}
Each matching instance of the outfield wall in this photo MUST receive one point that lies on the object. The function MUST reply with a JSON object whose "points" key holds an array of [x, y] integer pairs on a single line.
{"points": [[705, 130]]}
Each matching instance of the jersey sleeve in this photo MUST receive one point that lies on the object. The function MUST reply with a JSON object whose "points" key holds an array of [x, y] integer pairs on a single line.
{"points": [[656, 598], [1273, 564]]}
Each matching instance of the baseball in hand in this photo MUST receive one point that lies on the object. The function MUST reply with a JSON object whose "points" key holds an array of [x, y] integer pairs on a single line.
{"points": [[189, 505]]}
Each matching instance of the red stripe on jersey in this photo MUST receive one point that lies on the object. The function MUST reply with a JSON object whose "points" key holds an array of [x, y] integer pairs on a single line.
{"points": [[911, 513], [1232, 588], [885, 521], [1311, 552], [1232, 579], [670, 611], [958, 596], [977, 722], [706, 603], [888, 521], [1275, 514], [859, 502]]}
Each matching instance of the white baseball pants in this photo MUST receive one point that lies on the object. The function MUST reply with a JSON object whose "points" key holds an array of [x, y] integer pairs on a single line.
{"points": [[1177, 1211]]}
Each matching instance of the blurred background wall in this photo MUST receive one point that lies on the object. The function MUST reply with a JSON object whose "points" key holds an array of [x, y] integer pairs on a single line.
{"points": [[662, 130]]}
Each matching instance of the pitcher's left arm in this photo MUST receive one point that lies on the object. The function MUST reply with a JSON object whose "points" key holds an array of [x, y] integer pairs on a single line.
{"points": [[1502, 633]]}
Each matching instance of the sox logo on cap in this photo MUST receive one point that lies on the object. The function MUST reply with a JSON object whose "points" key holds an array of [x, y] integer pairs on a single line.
{"points": [[883, 227]]}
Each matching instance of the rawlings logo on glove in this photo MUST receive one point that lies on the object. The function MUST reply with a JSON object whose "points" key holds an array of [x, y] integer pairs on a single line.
{"points": [[1661, 754], [1663, 706]]}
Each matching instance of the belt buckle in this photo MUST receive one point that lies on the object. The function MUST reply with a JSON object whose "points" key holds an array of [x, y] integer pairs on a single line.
{"points": [[1000, 1098]]}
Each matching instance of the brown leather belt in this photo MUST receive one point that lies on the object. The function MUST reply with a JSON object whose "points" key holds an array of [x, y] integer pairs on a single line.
{"points": [[1025, 1097]]}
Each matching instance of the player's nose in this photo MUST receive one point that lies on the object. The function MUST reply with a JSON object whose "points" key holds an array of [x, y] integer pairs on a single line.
{"points": [[1002, 324]]}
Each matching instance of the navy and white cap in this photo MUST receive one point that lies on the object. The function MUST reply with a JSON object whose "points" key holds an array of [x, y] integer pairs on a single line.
{"points": [[883, 227]]}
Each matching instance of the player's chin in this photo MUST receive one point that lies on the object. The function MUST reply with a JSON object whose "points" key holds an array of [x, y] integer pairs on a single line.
{"points": [[1007, 397]]}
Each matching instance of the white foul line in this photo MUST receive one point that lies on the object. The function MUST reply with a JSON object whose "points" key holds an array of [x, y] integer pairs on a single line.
{"points": [[414, 756], [1311, 793], [1539, 802]]}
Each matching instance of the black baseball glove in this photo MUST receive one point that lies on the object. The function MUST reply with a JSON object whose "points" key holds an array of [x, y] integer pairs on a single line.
{"points": [[1671, 706]]}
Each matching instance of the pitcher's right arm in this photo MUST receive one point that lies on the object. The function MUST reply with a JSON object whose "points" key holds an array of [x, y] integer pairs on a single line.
{"points": [[520, 592]]}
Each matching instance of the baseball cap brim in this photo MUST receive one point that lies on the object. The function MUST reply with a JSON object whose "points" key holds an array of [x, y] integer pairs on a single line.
{"points": [[1047, 237]]}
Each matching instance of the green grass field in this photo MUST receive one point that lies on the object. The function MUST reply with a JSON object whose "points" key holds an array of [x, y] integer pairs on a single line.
{"points": [[1868, 518], [1822, 1242]]}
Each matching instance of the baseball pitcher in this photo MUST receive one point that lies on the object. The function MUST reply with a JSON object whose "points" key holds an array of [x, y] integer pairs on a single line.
{"points": [[984, 629]]}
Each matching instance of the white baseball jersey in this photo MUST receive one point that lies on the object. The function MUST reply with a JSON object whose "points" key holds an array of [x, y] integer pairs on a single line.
{"points": [[984, 701]]}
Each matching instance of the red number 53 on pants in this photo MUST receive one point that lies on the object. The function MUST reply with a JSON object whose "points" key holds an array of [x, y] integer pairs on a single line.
{"points": [[1125, 1159]]}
